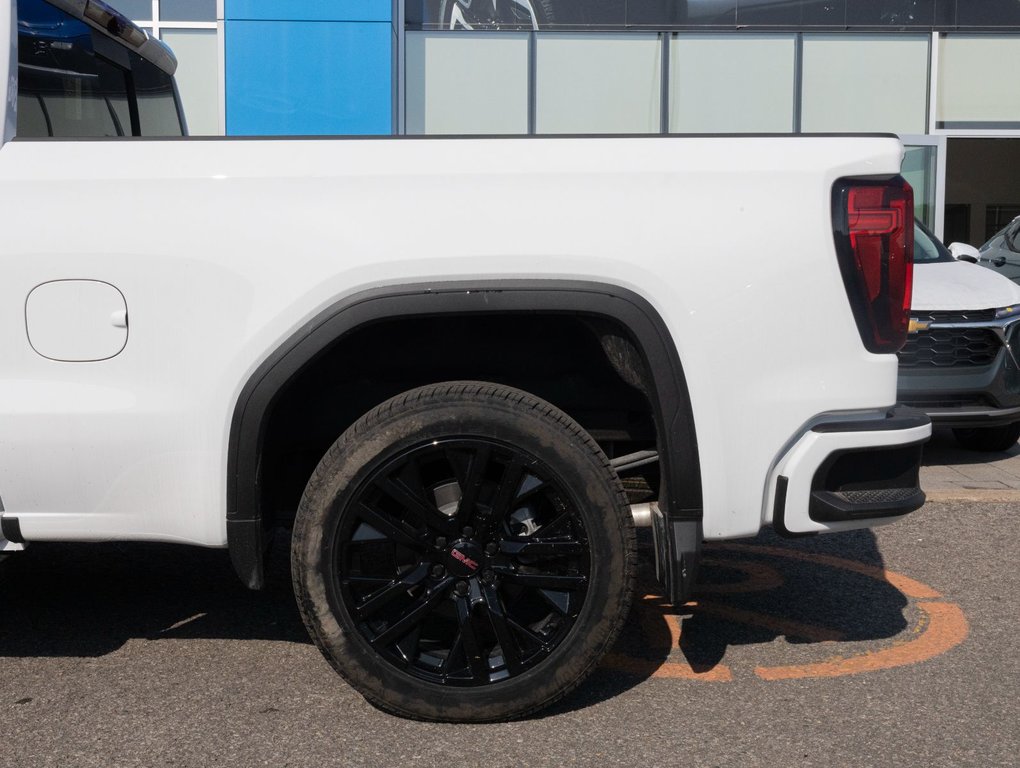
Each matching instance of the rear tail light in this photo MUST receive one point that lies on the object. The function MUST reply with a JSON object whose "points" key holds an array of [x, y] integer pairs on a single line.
{"points": [[873, 223]]}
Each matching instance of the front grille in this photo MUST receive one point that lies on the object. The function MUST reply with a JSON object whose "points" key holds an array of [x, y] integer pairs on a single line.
{"points": [[950, 348]]}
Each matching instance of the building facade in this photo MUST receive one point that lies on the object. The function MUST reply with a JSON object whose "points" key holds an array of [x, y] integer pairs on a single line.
{"points": [[939, 73]]}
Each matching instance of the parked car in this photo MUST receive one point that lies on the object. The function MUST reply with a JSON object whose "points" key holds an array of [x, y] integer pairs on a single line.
{"points": [[1002, 251], [960, 363]]}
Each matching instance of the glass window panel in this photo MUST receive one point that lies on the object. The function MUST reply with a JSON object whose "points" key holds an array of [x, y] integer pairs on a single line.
{"points": [[998, 216], [136, 10], [726, 83], [197, 77], [653, 13], [598, 83], [819, 12], [32, 120], [78, 115], [157, 107], [865, 83], [84, 106], [187, 10], [620, 14], [987, 13], [879, 13], [806, 12], [466, 83], [975, 85], [945, 14], [115, 93], [66, 89], [919, 170], [717, 13]]}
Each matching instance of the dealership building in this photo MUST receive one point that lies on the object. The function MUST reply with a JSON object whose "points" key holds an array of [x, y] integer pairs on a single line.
{"points": [[939, 73]]}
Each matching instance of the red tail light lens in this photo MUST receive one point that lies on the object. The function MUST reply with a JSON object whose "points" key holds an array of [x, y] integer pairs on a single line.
{"points": [[873, 222]]}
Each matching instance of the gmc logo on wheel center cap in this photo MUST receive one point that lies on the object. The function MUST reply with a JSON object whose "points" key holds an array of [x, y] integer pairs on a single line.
{"points": [[467, 561]]}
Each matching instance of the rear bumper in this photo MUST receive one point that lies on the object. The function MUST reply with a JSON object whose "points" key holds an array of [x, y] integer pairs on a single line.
{"points": [[849, 471]]}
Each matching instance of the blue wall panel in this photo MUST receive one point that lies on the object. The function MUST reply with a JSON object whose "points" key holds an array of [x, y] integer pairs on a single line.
{"points": [[309, 10], [308, 77]]}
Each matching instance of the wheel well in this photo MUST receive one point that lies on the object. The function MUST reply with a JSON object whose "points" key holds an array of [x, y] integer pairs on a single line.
{"points": [[587, 367], [599, 352]]}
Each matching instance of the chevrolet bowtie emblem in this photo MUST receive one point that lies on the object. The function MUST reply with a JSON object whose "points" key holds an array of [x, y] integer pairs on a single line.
{"points": [[918, 325]]}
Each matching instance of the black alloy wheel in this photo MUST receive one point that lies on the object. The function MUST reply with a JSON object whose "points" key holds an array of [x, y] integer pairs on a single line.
{"points": [[463, 552], [462, 587]]}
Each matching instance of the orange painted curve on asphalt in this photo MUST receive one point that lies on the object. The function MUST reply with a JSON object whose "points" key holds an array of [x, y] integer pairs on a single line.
{"points": [[942, 627], [946, 628]]}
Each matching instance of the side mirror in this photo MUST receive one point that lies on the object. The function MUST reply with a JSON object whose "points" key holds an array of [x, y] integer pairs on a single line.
{"points": [[964, 252]]}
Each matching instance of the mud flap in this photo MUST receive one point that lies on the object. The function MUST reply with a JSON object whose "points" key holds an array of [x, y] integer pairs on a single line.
{"points": [[677, 551]]}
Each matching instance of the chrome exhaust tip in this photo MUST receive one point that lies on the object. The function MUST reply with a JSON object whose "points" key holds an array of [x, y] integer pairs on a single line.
{"points": [[642, 514]]}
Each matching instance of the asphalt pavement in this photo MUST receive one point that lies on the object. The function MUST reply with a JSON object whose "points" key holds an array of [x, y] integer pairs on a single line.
{"points": [[893, 646]]}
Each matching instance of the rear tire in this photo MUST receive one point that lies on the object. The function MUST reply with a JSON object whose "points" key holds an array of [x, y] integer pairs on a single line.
{"points": [[464, 552], [989, 439]]}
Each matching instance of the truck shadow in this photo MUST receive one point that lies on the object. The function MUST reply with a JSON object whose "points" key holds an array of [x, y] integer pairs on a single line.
{"points": [[750, 594], [89, 600]]}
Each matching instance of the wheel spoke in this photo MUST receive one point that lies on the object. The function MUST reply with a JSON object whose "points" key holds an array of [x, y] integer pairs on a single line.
{"points": [[451, 654], [468, 638], [536, 490], [367, 581], [415, 504], [542, 580], [470, 471], [557, 600], [553, 524], [533, 637], [383, 597], [533, 548], [411, 618], [509, 484], [390, 528], [408, 647], [507, 642]]}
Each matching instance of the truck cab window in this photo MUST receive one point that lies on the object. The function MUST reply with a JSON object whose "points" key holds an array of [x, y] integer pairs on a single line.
{"points": [[64, 89], [74, 82]]}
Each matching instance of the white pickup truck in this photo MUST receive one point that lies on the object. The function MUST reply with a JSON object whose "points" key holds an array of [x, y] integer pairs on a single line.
{"points": [[431, 361]]}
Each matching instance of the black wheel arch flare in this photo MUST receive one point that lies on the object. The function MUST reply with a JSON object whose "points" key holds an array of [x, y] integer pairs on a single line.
{"points": [[681, 497]]}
